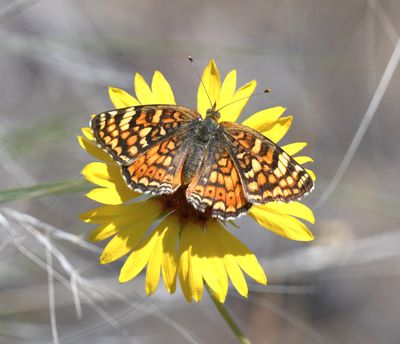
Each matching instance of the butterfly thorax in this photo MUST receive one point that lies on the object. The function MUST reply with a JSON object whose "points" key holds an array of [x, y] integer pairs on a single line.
{"points": [[202, 135], [206, 129]]}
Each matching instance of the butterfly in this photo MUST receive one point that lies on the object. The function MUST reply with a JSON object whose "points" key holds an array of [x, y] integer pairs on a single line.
{"points": [[225, 167]]}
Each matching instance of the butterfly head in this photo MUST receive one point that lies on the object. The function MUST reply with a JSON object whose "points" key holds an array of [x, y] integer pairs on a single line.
{"points": [[213, 113]]}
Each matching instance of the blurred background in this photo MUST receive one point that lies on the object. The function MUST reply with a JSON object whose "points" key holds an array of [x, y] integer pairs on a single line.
{"points": [[333, 64]]}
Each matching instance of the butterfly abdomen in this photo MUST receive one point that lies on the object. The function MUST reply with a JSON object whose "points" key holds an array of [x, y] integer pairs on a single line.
{"points": [[193, 161], [202, 136]]}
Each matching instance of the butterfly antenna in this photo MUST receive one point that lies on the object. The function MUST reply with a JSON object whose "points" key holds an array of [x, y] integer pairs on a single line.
{"points": [[201, 80], [268, 90]]}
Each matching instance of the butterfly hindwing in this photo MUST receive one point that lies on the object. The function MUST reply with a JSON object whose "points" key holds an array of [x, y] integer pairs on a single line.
{"points": [[267, 172], [217, 184], [159, 169], [127, 133]]}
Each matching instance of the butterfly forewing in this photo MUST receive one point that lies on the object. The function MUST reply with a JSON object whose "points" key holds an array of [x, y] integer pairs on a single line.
{"points": [[127, 133], [267, 172]]}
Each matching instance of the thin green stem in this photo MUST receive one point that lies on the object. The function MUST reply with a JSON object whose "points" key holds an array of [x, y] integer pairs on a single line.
{"points": [[228, 318]]}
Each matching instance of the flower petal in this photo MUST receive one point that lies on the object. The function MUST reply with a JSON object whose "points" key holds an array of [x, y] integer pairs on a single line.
{"points": [[195, 277], [264, 119], [232, 112], [236, 275], [312, 174], [234, 272], [303, 159], [131, 220], [250, 265], [91, 148], [87, 132], [212, 83], [138, 259], [162, 90], [243, 256], [294, 148], [168, 226], [129, 236], [117, 217], [101, 174], [121, 99], [170, 262], [279, 129], [143, 91], [195, 268], [108, 175], [184, 263], [211, 259], [296, 209], [110, 195], [153, 270], [280, 222], [103, 232], [227, 89], [109, 213]]}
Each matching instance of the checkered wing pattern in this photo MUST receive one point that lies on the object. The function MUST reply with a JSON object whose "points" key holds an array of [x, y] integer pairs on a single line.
{"points": [[267, 173], [217, 183], [158, 170], [127, 133]]}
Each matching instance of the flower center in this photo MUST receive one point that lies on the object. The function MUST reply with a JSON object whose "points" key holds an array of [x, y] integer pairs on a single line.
{"points": [[177, 202]]}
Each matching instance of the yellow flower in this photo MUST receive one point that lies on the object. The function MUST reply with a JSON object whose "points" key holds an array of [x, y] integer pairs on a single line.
{"points": [[167, 235]]}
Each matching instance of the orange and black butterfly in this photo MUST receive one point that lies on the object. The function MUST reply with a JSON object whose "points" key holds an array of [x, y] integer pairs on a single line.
{"points": [[225, 167]]}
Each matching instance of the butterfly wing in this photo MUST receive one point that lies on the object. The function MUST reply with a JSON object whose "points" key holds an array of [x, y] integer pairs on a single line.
{"points": [[159, 169], [216, 183], [267, 172], [150, 142], [127, 133]]}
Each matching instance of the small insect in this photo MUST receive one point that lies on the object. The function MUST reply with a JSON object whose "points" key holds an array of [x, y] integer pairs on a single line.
{"points": [[225, 167]]}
